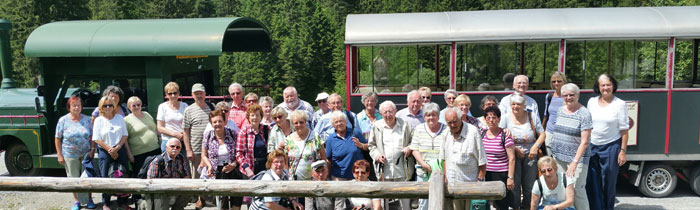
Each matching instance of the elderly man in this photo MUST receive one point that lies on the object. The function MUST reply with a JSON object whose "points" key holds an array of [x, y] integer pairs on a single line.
{"points": [[426, 143], [170, 164], [292, 102], [322, 101], [520, 85], [388, 146], [319, 172], [195, 121], [238, 108], [324, 127], [463, 154], [412, 114]]}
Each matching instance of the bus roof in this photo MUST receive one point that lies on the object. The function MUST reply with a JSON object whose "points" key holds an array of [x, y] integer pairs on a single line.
{"points": [[154, 37], [524, 25]]}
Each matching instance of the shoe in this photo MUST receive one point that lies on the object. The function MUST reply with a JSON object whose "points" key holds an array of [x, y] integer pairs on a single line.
{"points": [[76, 206], [414, 203], [106, 207], [199, 205], [91, 205]]}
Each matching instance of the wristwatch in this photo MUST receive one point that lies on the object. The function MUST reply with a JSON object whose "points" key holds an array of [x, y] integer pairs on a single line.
{"points": [[510, 177]]}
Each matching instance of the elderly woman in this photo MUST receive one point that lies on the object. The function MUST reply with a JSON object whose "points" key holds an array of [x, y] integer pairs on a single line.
{"points": [[280, 130], [555, 188], [500, 156], [223, 106], [553, 101], [487, 101], [369, 115], [464, 103], [450, 96], [115, 94], [343, 147], [360, 170], [608, 142], [219, 156], [425, 94], [426, 142], [73, 132], [267, 104], [170, 116], [250, 99], [276, 163], [570, 140], [110, 134], [251, 146], [303, 147], [143, 136], [527, 133]]}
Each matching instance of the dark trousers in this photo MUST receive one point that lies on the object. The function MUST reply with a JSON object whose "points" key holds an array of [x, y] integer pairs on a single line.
{"points": [[525, 175], [602, 175], [509, 199], [227, 201], [138, 163], [105, 162]]}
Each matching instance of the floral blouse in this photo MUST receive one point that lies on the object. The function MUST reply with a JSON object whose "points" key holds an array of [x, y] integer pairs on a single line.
{"points": [[75, 135], [311, 148]]}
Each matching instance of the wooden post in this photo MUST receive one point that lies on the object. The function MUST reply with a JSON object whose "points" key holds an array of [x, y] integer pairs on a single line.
{"points": [[436, 192]]}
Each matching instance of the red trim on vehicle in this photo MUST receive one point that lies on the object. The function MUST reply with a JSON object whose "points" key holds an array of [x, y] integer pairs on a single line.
{"points": [[654, 90], [669, 86], [562, 55], [686, 90], [453, 66], [348, 65], [24, 117]]}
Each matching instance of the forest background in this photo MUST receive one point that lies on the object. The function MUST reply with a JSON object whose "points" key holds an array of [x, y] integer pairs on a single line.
{"points": [[307, 35]]}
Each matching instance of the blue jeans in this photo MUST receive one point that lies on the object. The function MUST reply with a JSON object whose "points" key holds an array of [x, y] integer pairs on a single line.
{"points": [[602, 175], [422, 203], [105, 162]]}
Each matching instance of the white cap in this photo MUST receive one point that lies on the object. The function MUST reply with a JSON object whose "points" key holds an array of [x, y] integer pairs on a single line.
{"points": [[322, 96]]}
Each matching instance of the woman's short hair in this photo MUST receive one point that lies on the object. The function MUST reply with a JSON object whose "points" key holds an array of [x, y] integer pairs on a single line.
{"points": [[517, 98], [251, 95], [559, 74], [451, 91], [277, 111], [488, 98], [252, 109], [596, 89], [570, 87], [298, 115], [267, 99], [494, 110], [116, 90], [171, 86], [425, 90], [463, 98], [548, 161], [368, 96], [132, 100], [430, 108], [338, 115], [361, 164], [217, 113], [223, 105], [275, 154], [106, 99], [73, 99]]}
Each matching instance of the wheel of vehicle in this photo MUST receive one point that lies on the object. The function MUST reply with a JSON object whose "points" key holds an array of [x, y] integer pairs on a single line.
{"points": [[658, 180], [19, 162], [695, 180]]}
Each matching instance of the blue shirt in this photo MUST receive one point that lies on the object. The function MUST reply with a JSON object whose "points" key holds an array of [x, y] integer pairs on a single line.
{"points": [[553, 108], [324, 127], [260, 150], [364, 122], [343, 153]]}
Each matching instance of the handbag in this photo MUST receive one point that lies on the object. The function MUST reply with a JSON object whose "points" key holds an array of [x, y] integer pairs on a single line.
{"points": [[542, 150]]}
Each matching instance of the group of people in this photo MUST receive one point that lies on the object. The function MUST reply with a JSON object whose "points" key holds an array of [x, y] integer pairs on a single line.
{"points": [[574, 152]]}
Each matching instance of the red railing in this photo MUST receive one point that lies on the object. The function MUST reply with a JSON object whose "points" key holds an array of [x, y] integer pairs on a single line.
{"points": [[24, 117]]}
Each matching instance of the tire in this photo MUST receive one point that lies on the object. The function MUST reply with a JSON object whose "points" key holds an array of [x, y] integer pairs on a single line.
{"points": [[658, 180], [19, 162], [695, 180]]}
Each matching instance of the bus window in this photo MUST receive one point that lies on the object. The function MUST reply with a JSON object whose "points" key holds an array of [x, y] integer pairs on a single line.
{"points": [[634, 63], [685, 75], [483, 66], [402, 68]]}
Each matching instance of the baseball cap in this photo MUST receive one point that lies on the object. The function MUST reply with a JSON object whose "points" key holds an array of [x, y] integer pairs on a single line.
{"points": [[318, 164], [198, 87], [321, 96]]}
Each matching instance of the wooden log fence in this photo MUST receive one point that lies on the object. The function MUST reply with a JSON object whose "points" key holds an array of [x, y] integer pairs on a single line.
{"points": [[472, 190]]}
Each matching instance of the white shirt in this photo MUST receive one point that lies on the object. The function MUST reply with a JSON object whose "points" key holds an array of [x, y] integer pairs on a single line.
{"points": [[608, 121], [172, 118], [223, 152], [464, 155], [393, 150], [109, 131], [530, 104]]}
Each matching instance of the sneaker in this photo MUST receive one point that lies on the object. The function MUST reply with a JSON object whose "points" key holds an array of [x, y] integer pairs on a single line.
{"points": [[91, 205], [76, 206], [106, 207]]}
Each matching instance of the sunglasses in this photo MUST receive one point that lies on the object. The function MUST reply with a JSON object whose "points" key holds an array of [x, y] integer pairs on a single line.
{"points": [[321, 101], [251, 101], [546, 170], [108, 106], [425, 97], [172, 93], [557, 81]]}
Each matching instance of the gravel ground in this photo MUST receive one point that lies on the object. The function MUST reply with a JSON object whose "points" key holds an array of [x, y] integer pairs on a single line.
{"points": [[628, 197]]}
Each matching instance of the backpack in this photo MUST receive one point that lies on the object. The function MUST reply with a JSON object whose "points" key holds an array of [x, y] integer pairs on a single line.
{"points": [[539, 184], [503, 138], [211, 106], [143, 171]]}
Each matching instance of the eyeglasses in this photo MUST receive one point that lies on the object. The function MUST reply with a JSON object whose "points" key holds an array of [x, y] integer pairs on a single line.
{"points": [[172, 93], [277, 117], [359, 172], [557, 81], [546, 170], [252, 101], [451, 98], [174, 146], [108, 106], [425, 97], [136, 104]]}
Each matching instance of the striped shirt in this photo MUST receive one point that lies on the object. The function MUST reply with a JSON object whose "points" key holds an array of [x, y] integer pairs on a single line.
{"points": [[496, 153], [428, 143], [567, 134]]}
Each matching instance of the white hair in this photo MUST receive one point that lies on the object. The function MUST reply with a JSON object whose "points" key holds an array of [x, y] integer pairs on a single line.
{"points": [[292, 89], [456, 110], [517, 98], [386, 104], [335, 95], [430, 108], [413, 92], [521, 76], [570, 87], [235, 84], [451, 91], [338, 115]]}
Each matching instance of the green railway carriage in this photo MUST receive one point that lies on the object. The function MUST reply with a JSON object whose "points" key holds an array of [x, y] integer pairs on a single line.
{"points": [[84, 57], [652, 51]]}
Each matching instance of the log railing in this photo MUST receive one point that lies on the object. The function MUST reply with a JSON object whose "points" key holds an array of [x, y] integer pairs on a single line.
{"points": [[436, 188]]}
